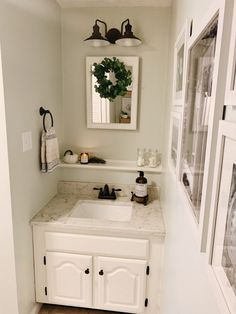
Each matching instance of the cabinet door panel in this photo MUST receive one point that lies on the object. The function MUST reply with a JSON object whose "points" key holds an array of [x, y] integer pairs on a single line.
{"points": [[121, 284], [67, 281]]}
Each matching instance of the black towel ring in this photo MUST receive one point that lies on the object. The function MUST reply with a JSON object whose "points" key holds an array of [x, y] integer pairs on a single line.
{"points": [[43, 113]]}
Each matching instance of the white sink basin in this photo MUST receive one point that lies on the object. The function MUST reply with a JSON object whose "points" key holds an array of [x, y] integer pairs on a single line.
{"points": [[102, 210]]}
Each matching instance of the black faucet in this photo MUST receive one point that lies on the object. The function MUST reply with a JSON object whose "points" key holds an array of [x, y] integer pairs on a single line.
{"points": [[104, 193]]}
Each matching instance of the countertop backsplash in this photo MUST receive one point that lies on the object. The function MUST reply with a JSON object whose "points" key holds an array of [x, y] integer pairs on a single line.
{"points": [[85, 189]]}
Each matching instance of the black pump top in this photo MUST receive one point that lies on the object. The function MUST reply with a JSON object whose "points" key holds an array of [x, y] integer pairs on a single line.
{"points": [[141, 173]]}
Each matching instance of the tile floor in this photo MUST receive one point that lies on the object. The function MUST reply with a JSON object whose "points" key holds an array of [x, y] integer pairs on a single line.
{"points": [[56, 309]]}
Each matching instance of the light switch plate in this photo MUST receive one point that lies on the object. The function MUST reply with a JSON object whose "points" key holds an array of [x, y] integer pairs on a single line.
{"points": [[26, 141]]}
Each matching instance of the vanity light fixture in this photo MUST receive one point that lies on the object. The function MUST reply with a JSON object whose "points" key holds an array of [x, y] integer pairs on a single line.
{"points": [[113, 36]]}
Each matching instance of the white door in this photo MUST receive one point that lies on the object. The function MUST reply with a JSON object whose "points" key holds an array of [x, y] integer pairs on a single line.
{"points": [[121, 284], [69, 279]]}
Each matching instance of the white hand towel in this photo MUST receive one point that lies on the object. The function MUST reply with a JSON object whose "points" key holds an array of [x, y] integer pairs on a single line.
{"points": [[49, 150]]}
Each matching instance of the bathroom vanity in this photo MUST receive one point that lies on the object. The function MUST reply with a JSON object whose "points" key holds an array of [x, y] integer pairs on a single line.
{"points": [[111, 262]]}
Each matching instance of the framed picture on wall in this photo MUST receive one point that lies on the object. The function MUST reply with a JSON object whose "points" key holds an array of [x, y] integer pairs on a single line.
{"points": [[175, 141], [222, 231], [180, 66], [202, 111], [230, 95]]}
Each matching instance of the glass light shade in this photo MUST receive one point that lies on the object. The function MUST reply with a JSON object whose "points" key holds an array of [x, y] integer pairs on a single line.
{"points": [[128, 42], [97, 42], [127, 38], [96, 39]]}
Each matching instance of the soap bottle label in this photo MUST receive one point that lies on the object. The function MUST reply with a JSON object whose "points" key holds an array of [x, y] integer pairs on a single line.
{"points": [[141, 190]]}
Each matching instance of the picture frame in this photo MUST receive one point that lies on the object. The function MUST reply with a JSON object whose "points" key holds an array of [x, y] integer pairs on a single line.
{"points": [[221, 248], [175, 142], [198, 195], [230, 94], [179, 73]]}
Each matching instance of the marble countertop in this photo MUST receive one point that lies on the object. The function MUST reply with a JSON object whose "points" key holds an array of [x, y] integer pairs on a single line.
{"points": [[145, 221]]}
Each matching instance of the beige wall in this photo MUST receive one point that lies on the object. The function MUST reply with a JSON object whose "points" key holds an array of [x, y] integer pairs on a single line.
{"points": [[150, 24], [30, 40]]}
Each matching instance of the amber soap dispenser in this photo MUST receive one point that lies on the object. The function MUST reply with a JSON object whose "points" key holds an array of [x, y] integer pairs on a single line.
{"points": [[140, 195]]}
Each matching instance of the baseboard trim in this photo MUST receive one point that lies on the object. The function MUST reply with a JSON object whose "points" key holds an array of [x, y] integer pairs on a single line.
{"points": [[36, 308]]}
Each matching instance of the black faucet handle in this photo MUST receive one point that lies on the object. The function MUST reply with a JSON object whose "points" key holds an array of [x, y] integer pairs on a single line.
{"points": [[100, 191], [116, 190], [113, 192]]}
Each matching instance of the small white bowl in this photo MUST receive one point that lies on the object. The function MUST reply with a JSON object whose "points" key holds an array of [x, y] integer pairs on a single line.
{"points": [[71, 159]]}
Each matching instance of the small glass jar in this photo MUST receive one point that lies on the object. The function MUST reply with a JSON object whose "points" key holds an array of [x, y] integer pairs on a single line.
{"points": [[84, 158], [140, 157], [152, 158]]}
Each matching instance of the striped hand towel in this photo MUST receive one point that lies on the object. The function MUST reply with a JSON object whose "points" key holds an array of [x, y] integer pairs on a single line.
{"points": [[49, 150]]}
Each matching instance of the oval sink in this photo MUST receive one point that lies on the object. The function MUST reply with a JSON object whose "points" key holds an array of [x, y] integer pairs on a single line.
{"points": [[102, 210]]}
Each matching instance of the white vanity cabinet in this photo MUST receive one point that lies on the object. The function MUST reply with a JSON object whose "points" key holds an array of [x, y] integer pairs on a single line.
{"points": [[101, 272], [69, 279], [121, 284]]}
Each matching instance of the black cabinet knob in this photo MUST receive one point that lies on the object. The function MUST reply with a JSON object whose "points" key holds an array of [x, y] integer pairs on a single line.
{"points": [[87, 271], [101, 272]]}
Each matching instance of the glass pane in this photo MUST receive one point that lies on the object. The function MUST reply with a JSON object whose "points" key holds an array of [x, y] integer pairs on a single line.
{"points": [[179, 70], [233, 80], [174, 141], [229, 250], [196, 114]]}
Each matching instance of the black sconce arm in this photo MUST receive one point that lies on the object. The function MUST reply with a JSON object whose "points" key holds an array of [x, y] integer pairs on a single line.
{"points": [[96, 23], [122, 26]]}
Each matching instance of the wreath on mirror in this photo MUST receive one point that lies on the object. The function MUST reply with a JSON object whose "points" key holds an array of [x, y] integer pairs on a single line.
{"points": [[104, 86]]}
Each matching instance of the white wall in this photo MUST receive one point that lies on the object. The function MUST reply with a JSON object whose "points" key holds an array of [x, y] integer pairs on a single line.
{"points": [[152, 26], [186, 284], [30, 38], [8, 291], [186, 278]]}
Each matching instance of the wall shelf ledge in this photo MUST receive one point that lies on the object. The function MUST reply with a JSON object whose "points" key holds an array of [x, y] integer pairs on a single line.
{"points": [[114, 165]]}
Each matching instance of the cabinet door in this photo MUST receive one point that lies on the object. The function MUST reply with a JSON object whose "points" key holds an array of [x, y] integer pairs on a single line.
{"points": [[69, 279], [121, 284]]}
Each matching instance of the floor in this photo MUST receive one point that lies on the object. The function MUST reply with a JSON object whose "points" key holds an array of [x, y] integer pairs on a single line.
{"points": [[56, 309]]}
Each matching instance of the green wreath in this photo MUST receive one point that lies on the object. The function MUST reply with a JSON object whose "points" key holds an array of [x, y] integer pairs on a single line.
{"points": [[105, 87]]}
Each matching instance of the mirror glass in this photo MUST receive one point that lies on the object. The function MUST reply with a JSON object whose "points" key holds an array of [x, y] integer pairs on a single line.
{"points": [[174, 140], [197, 113], [179, 70], [120, 112]]}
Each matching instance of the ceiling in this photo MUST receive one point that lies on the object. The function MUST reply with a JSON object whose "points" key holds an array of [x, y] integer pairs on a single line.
{"points": [[113, 3]]}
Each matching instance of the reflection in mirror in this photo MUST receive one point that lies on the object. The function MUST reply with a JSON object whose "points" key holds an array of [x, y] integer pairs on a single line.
{"points": [[179, 70], [174, 140], [197, 112], [121, 112], [106, 111], [233, 83]]}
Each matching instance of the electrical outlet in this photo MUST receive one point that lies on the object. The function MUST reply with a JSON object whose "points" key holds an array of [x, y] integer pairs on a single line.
{"points": [[26, 141]]}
